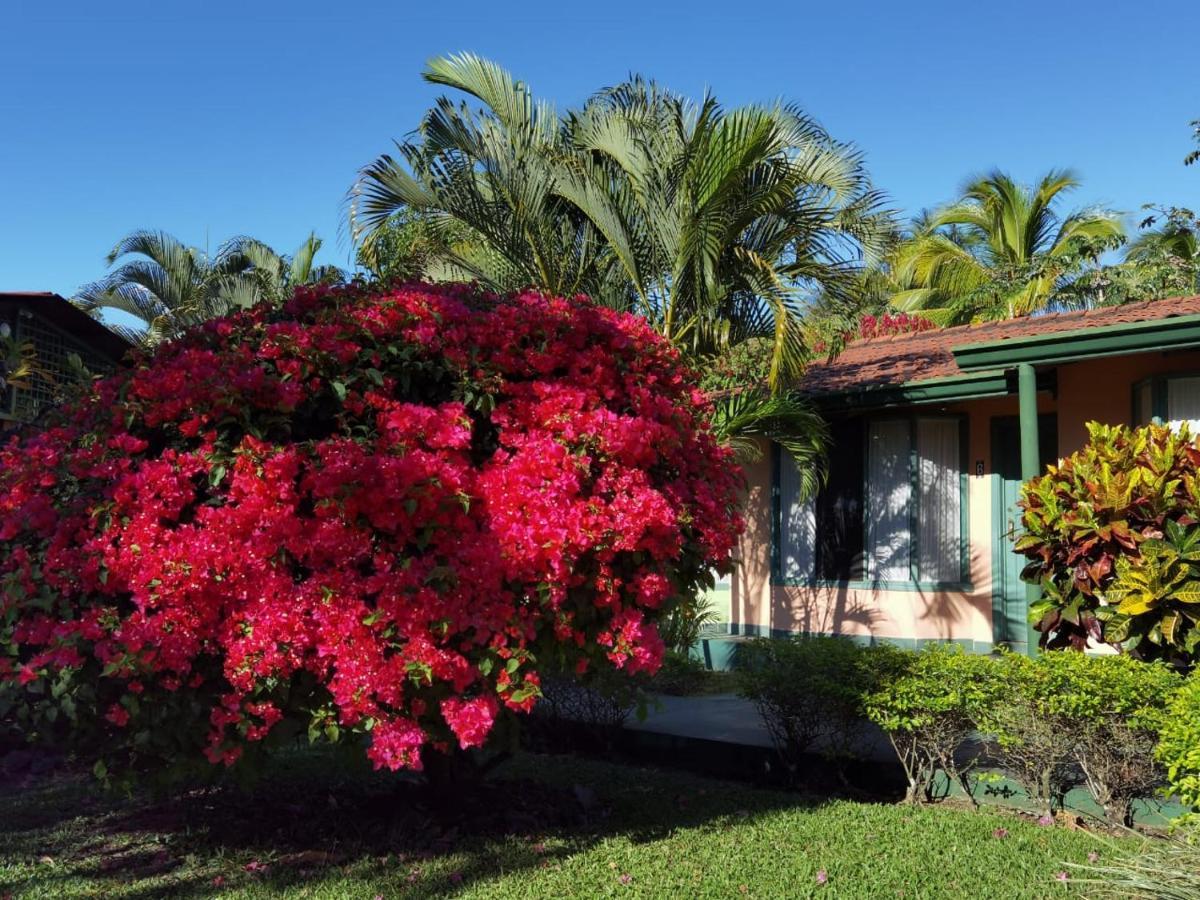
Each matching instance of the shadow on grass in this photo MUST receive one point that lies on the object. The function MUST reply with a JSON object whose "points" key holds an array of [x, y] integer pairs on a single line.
{"points": [[320, 819]]}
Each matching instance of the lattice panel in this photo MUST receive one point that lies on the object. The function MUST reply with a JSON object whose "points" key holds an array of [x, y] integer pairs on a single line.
{"points": [[53, 348]]}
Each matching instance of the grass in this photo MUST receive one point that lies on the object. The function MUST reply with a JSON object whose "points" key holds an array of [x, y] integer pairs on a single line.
{"points": [[542, 826]]}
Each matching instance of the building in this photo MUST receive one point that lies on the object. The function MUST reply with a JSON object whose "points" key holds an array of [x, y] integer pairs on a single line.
{"points": [[911, 538], [57, 330]]}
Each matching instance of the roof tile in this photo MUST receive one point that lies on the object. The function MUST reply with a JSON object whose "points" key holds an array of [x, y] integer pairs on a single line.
{"points": [[897, 359]]}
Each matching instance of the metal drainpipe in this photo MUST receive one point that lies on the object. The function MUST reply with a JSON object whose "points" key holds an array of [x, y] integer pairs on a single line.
{"points": [[1030, 468]]}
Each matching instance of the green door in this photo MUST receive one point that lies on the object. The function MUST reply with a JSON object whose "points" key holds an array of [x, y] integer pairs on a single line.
{"points": [[1008, 591]]}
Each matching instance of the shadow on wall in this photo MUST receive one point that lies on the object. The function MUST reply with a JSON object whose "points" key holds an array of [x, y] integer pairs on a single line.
{"points": [[834, 610], [950, 611]]}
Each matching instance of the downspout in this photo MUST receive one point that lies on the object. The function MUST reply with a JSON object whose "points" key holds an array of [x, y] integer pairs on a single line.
{"points": [[1030, 468]]}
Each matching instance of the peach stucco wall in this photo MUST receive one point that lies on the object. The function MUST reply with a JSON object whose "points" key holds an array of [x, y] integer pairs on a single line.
{"points": [[922, 614], [1093, 390]]}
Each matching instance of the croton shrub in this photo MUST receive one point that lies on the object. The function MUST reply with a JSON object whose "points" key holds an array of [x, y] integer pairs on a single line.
{"points": [[354, 512], [1112, 535]]}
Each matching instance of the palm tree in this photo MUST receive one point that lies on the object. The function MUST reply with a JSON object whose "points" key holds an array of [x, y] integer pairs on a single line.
{"points": [[721, 228], [276, 276], [1001, 250], [1176, 238], [172, 286], [493, 173]]}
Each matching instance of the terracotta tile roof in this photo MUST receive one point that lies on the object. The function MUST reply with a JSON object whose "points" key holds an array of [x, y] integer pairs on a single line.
{"points": [[902, 358]]}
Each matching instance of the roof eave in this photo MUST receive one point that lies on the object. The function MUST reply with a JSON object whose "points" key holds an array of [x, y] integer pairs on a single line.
{"points": [[1175, 333], [948, 389]]}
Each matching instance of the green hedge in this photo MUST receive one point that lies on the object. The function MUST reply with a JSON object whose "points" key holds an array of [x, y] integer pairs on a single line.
{"points": [[1124, 728]]}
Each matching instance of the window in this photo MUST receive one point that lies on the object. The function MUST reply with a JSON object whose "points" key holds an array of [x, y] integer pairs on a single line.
{"points": [[892, 510], [1174, 400]]}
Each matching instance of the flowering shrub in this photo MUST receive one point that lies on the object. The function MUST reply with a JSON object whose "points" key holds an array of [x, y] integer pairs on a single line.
{"points": [[368, 512], [889, 324]]}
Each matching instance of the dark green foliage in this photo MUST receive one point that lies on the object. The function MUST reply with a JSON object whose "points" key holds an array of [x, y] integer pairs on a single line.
{"points": [[682, 676], [1179, 743], [810, 691], [929, 709], [1074, 717]]}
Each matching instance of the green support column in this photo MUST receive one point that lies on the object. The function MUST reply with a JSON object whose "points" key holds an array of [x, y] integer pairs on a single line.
{"points": [[1030, 467]]}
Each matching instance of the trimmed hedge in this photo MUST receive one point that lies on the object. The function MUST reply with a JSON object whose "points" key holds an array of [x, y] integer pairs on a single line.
{"points": [[1124, 728]]}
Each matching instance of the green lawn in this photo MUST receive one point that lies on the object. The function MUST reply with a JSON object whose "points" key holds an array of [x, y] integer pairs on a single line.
{"points": [[543, 826]]}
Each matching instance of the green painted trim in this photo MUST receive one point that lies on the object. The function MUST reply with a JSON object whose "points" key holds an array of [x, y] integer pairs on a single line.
{"points": [[1030, 468], [930, 390], [999, 615], [739, 630], [863, 584], [914, 503], [777, 515], [1175, 333], [964, 498]]}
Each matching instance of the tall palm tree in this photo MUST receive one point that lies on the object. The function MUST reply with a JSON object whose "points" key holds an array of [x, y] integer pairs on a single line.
{"points": [[721, 228], [494, 173], [1001, 250], [171, 286]]}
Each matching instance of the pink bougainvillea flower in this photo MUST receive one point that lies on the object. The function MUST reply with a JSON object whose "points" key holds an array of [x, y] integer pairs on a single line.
{"points": [[1093, 856], [822, 876], [1045, 820], [1062, 876], [1000, 833], [361, 511]]}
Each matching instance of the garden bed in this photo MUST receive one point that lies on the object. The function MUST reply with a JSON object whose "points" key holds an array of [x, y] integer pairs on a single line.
{"points": [[542, 826]]}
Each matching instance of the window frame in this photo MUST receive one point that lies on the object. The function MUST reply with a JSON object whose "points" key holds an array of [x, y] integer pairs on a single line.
{"points": [[913, 583], [1159, 386]]}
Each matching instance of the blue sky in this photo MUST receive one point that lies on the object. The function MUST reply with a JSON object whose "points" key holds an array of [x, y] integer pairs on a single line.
{"points": [[213, 119]]}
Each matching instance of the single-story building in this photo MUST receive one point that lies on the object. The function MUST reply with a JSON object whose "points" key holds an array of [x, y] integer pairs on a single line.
{"points": [[910, 539], [57, 329]]}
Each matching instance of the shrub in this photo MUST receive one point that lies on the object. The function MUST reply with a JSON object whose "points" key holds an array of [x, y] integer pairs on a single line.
{"points": [[1071, 718], [683, 676], [1030, 745], [929, 708], [1112, 536], [354, 512], [599, 701], [809, 691], [691, 618], [1111, 705], [1178, 747]]}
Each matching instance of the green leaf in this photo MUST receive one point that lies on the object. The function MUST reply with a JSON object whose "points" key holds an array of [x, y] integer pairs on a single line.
{"points": [[339, 388]]}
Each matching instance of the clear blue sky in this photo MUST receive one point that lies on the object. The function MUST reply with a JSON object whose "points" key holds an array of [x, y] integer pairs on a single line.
{"points": [[209, 119]]}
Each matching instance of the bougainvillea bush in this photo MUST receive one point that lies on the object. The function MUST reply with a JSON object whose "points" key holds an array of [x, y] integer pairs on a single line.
{"points": [[355, 512], [1112, 535]]}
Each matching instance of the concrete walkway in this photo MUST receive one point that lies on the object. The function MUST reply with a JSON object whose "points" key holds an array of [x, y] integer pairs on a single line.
{"points": [[730, 719]]}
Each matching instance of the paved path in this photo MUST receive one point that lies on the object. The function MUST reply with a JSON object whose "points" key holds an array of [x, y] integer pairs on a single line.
{"points": [[731, 719]]}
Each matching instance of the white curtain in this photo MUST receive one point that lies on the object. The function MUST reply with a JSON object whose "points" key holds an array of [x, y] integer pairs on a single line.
{"points": [[889, 496], [1183, 403], [939, 553], [798, 531]]}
